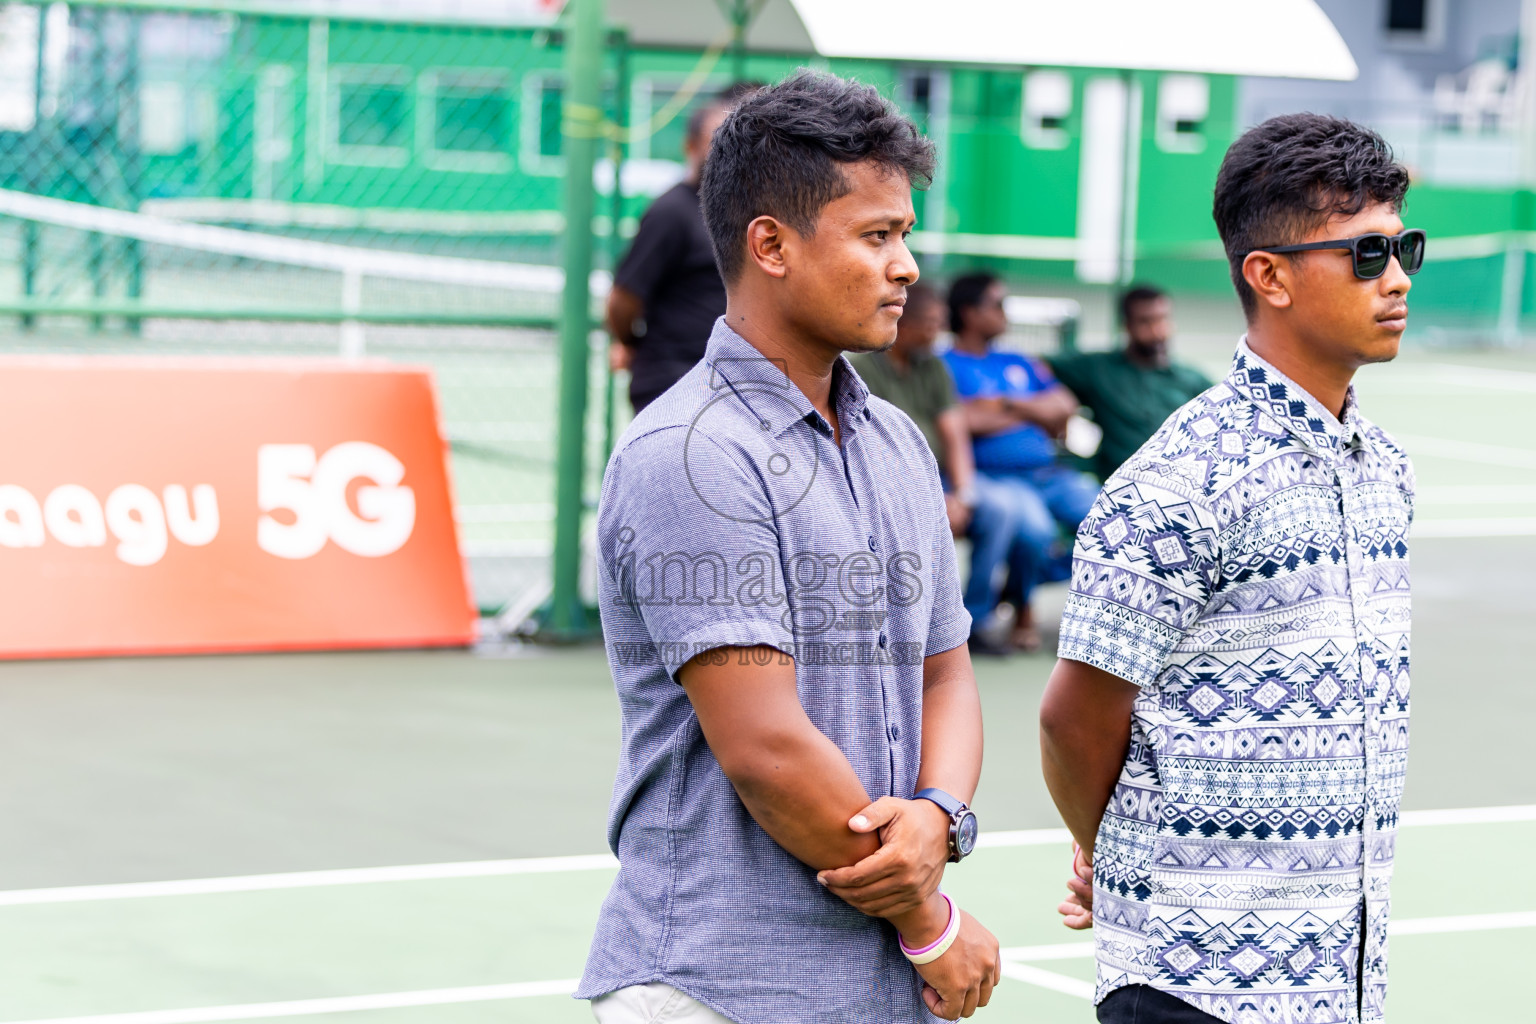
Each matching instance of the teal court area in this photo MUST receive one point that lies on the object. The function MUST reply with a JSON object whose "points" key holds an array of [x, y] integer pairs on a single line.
{"points": [[211, 839], [500, 941]]}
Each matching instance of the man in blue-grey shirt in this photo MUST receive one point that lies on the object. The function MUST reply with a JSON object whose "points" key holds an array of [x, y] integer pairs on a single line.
{"points": [[801, 727]]}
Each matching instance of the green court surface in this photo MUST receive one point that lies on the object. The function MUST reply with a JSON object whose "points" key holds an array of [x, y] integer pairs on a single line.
{"points": [[207, 839]]}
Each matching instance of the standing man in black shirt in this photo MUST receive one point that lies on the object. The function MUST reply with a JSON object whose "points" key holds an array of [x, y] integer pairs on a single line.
{"points": [[667, 292]]}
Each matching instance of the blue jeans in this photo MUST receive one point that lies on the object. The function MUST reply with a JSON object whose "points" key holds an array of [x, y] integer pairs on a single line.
{"points": [[1017, 523], [992, 531]]}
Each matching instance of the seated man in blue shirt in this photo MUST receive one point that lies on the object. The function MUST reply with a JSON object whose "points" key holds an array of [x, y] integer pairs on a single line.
{"points": [[1015, 410], [801, 727]]}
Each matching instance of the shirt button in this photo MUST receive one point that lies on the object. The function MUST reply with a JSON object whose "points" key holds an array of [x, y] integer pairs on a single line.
{"points": [[882, 640], [871, 542], [895, 732]]}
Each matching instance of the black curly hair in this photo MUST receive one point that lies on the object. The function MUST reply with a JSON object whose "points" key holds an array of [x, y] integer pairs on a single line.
{"points": [[778, 154], [1288, 175]]}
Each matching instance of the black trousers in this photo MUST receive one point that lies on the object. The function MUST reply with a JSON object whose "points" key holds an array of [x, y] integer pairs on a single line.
{"points": [[1142, 1004]]}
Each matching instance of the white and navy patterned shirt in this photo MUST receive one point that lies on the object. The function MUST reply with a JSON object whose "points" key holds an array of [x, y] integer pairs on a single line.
{"points": [[731, 518], [1248, 570]]}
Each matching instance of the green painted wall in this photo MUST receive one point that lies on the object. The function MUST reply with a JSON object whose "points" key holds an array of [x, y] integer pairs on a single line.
{"points": [[458, 123]]}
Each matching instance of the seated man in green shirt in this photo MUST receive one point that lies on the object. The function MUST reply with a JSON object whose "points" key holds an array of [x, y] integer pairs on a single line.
{"points": [[914, 380], [1131, 390]]}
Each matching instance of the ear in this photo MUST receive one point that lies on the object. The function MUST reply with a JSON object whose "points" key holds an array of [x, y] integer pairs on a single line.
{"points": [[765, 245], [1270, 276]]}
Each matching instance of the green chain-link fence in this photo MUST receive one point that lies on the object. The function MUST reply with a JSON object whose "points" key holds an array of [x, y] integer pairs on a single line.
{"points": [[196, 180]]}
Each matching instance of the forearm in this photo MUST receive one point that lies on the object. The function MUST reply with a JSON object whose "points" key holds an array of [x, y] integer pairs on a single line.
{"points": [[952, 734], [985, 416], [1085, 727], [950, 760], [1081, 786], [801, 789], [623, 309], [623, 333], [1048, 410], [805, 804]]}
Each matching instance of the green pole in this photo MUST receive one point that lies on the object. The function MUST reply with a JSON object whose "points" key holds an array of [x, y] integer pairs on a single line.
{"points": [[133, 160], [620, 43], [103, 112], [582, 124], [31, 230]]}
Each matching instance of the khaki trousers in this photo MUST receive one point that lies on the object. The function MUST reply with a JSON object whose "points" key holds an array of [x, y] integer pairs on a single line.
{"points": [[656, 1003]]}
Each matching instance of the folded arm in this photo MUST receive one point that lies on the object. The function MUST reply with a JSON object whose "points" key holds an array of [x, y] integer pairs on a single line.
{"points": [[1049, 410], [908, 867], [800, 788], [1085, 728], [792, 779]]}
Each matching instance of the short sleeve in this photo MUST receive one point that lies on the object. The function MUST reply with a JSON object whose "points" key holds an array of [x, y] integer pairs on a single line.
{"points": [[700, 573], [1146, 563], [658, 242]]}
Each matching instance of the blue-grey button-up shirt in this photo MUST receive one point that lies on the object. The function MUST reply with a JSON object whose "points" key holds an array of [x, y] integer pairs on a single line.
{"points": [[1248, 569], [731, 518]]}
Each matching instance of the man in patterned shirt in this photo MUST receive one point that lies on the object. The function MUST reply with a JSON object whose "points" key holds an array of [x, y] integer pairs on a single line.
{"points": [[1226, 732]]}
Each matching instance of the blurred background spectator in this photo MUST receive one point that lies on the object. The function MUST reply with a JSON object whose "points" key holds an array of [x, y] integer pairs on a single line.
{"points": [[1016, 411], [1132, 389], [912, 378], [666, 292]]}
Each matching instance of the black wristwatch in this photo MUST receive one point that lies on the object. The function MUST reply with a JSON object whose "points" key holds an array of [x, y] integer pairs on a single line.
{"points": [[962, 822]]}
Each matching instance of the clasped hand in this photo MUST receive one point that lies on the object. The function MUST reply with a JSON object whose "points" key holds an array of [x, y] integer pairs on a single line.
{"points": [[899, 882], [1077, 909]]}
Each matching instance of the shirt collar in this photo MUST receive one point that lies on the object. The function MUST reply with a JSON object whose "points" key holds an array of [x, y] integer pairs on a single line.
{"points": [[1292, 405], [767, 392]]}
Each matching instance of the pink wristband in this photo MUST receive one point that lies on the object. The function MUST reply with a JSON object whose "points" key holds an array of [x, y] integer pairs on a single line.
{"points": [[945, 937]]}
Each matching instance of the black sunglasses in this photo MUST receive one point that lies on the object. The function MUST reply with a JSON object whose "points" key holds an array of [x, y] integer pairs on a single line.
{"points": [[1371, 252]]}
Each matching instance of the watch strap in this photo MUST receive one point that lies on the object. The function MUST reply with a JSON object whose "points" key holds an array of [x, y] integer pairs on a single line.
{"points": [[950, 805]]}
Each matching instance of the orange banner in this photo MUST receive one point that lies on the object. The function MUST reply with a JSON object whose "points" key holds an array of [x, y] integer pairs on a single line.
{"points": [[154, 506]]}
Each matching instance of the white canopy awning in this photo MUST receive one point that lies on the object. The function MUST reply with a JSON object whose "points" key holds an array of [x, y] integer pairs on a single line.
{"points": [[1272, 38]]}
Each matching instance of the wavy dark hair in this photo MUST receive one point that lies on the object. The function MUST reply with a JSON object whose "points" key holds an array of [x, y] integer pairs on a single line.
{"points": [[779, 154], [1288, 175]]}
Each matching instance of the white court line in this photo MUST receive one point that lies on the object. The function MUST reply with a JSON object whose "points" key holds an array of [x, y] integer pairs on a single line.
{"points": [[1056, 951], [1012, 968], [1449, 494], [313, 1007], [1469, 816], [310, 879], [1482, 377], [1463, 923], [1432, 378], [1411, 926], [1502, 526], [559, 865], [1025, 837], [1043, 979], [1468, 451]]}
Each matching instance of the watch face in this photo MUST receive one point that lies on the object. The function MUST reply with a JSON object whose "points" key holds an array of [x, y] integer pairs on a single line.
{"points": [[965, 835]]}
